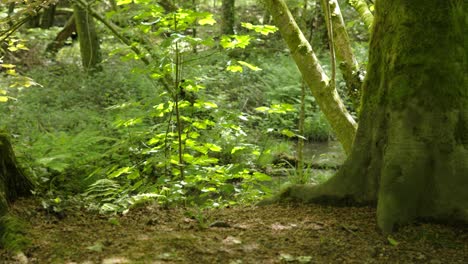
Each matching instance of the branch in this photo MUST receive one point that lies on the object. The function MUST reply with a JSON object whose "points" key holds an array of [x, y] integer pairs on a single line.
{"points": [[366, 15], [344, 53], [306, 60]]}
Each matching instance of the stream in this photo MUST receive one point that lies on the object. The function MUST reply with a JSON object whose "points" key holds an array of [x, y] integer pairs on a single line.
{"points": [[321, 159]]}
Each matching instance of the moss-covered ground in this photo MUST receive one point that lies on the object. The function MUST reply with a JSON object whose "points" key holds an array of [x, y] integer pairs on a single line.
{"points": [[270, 234]]}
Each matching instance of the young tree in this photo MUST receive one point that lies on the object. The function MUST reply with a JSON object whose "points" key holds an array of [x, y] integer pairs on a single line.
{"points": [[48, 16], [410, 155], [321, 86], [89, 42], [228, 20]]}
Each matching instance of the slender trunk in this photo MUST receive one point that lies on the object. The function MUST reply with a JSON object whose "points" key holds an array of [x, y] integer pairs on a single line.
{"points": [[11, 10], [348, 63], [227, 26], [364, 12], [113, 5], [62, 36], [325, 94], [48, 17], [88, 38], [168, 5]]}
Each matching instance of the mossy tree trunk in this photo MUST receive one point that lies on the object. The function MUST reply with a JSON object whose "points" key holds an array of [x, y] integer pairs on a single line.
{"points": [[228, 22], [13, 183], [313, 74], [89, 42], [48, 17], [410, 155], [59, 41]]}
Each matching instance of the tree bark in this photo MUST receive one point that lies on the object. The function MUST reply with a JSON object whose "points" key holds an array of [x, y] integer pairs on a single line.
{"points": [[364, 12], [326, 95], [89, 43], [13, 182], [48, 17], [410, 155], [228, 10], [62, 36], [344, 53]]}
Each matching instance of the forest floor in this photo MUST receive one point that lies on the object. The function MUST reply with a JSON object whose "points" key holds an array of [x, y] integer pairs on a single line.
{"points": [[270, 234]]}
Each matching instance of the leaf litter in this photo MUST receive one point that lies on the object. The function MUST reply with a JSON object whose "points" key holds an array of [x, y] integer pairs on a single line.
{"points": [[269, 234]]}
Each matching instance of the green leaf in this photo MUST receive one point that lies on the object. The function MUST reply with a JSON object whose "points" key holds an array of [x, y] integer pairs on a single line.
{"points": [[119, 172], [3, 99], [392, 241], [250, 66], [7, 66], [134, 175], [235, 149], [208, 20], [213, 147], [210, 189], [262, 29], [97, 247], [288, 133], [261, 176], [124, 2], [235, 41], [262, 109], [234, 68]]}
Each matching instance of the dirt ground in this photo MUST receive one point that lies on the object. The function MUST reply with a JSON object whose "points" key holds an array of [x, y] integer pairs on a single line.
{"points": [[270, 234]]}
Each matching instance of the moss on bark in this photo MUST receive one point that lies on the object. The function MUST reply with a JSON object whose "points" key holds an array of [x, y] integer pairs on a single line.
{"points": [[89, 43], [410, 155], [13, 182]]}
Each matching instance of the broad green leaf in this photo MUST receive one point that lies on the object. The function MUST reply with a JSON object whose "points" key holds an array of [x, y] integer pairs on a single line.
{"points": [[213, 147], [287, 133], [119, 172], [8, 66], [208, 20], [261, 176], [97, 247], [134, 175], [210, 189], [206, 105], [235, 41], [124, 2], [392, 241], [235, 149], [234, 68], [250, 66], [262, 109], [11, 72], [262, 29]]}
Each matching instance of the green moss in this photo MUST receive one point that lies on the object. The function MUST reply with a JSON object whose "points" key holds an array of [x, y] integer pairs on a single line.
{"points": [[13, 236]]}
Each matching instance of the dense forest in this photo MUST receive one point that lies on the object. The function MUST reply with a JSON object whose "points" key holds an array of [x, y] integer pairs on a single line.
{"points": [[233, 131]]}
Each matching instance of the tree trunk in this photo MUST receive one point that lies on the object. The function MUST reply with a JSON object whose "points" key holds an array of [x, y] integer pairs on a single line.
{"points": [[89, 43], [227, 26], [326, 95], [13, 183], [344, 53], [62, 36], [48, 17], [410, 155]]}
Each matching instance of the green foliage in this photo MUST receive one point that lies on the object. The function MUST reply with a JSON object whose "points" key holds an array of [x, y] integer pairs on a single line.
{"points": [[207, 134]]}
